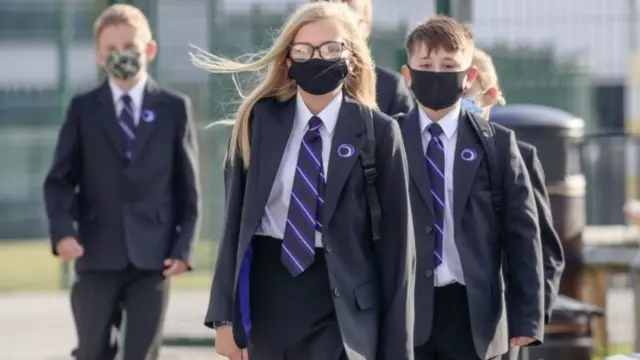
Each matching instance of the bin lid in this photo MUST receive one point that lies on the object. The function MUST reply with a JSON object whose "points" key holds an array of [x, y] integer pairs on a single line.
{"points": [[525, 115], [568, 307]]}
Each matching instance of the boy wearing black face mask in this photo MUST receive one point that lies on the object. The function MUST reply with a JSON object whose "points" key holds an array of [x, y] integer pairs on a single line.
{"points": [[122, 194], [460, 236]]}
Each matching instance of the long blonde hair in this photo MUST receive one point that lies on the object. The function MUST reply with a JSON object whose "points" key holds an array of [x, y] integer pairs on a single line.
{"points": [[359, 85], [487, 78]]}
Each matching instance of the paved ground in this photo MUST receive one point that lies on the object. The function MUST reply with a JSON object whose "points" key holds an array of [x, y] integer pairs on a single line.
{"points": [[39, 326]]}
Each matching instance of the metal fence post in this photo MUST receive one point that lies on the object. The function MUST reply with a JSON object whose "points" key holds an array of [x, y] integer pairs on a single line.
{"points": [[64, 39]]}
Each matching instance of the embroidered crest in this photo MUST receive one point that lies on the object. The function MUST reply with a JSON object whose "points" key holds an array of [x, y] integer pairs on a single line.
{"points": [[346, 150], [468, 154], [147, 116]]}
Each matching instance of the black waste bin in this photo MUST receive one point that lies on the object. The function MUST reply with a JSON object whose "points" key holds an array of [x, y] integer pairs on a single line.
{"points": [[568, 335], [557, 135]]}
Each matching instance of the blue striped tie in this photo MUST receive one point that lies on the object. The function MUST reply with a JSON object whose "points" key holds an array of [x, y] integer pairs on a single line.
{"points": [[307, 200], [127, 124], [435, 163]]}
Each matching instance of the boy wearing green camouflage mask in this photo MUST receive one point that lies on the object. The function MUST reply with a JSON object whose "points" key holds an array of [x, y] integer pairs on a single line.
{"points": [[122, 194]]}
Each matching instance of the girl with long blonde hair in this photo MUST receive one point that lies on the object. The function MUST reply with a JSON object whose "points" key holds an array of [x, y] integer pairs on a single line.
{"points": [[299, 275]]}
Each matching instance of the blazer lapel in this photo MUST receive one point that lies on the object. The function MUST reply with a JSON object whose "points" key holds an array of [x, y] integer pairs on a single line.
{"points": [[468, 156], [149, 114], [106, 116], [349, 131], [412, 135], [272, 131]]}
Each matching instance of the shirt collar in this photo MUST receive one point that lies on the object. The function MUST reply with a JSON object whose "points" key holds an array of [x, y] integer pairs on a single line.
{"points": [[328, 115], [136, 92], [449, 122]]}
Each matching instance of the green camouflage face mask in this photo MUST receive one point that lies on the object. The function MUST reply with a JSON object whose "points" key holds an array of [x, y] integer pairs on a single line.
{"points": [[123, 64]]}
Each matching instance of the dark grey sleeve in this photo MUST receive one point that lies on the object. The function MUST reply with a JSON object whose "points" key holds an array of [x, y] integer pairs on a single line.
{"points": [[395, 251], [525, 298], [222, 288]]}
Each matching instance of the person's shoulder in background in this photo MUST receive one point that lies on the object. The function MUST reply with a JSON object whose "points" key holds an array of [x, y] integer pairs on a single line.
{"points": [[392, 93]]}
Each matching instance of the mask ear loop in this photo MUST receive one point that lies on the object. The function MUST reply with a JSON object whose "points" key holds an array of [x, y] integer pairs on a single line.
{"points": [[501, 100]]}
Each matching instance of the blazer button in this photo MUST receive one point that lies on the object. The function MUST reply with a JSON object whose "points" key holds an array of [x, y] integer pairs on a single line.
{"points": [[328, 248], [428, 273], [336, 292], [429, 229]]}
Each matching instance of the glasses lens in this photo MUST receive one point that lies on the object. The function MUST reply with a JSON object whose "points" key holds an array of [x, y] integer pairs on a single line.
{"points": [[331, 50], [301, 52]]}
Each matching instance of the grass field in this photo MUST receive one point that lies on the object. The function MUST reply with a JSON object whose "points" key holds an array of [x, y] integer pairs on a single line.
{"points": [[29, 266]]}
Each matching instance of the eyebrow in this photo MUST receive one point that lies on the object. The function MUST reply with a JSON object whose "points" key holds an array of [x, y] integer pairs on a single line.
{"points": [[445, 58]]}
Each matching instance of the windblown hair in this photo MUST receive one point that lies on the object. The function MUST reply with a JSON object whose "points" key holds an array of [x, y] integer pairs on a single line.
{"points": [[366, 7], [359, 84]]}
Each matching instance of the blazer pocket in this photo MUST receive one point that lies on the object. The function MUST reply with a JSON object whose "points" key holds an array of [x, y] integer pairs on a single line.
{"points": [[365, 295]]}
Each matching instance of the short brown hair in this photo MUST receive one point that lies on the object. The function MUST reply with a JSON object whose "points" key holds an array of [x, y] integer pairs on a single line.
{"points": [[440, 33], [122, 14]]}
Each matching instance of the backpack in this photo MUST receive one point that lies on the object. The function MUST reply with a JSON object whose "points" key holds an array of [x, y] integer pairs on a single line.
{"points": [[368, 161], [487, 134]]}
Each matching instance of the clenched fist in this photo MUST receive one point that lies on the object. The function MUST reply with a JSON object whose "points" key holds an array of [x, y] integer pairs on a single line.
{"points": [[69, 249]]}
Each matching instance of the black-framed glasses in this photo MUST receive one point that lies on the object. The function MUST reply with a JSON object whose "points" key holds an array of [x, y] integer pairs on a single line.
{"points": [[303, 52]]}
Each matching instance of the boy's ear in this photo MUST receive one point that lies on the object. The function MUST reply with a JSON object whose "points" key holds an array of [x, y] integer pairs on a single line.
{"points": [[406, 74], [472, 74], [152, 50], [493, 93]]}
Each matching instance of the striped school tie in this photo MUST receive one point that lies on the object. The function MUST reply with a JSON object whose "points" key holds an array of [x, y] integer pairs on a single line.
{"points": [[307, 200], [127, 124], [435, 164]]}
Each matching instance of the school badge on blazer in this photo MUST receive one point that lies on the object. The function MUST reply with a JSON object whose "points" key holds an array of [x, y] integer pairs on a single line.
{"points": [[346, 150]]}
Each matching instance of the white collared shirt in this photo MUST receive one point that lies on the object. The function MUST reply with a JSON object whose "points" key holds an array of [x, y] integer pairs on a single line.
{"points": [[137, 96], [450, 271], [275, 213]]}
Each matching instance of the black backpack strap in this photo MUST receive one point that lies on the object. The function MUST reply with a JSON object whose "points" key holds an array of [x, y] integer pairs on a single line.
{"points": [[368, 160], [487, 134]]}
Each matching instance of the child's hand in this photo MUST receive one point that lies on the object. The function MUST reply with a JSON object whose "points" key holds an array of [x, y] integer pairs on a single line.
{"points": [[69, 249], [174, 267]]}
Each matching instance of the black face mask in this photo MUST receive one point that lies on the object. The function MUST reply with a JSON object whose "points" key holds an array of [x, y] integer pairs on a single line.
{"points": [[437, 90], [319, 76]]}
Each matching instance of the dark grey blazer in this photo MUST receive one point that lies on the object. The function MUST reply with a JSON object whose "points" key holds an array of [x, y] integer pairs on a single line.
{"points": [[553, 255], [479, 241], [392, 94], [372, 283], [140, 212]]}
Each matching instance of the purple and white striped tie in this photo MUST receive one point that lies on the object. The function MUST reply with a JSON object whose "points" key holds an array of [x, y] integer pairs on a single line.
{"points": [[307, 201], [127, 123], [435, 163]]}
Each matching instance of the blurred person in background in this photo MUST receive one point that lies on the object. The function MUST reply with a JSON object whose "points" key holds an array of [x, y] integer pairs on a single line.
{"points": [[485, 93], [632, 212], [392, 94], [465, 217], [303, 271], [125, 170]]}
